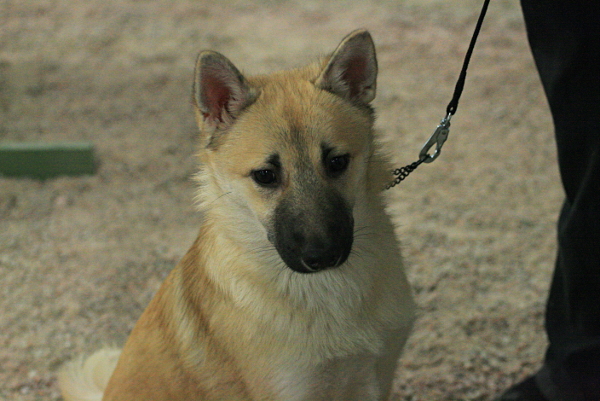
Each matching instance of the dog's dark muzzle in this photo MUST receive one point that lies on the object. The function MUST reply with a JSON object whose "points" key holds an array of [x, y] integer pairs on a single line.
{"points": [[314, 239]]}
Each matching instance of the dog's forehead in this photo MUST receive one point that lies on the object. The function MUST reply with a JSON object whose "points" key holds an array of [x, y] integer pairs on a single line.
{"points": [[296, 113], [295, 121]]}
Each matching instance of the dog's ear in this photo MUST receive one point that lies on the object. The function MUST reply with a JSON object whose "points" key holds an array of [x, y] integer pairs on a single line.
{"points": [[220, 91], [352, 69]]}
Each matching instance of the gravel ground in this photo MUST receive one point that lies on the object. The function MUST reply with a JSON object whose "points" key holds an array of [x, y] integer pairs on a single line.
{"points": [[81, 257]]}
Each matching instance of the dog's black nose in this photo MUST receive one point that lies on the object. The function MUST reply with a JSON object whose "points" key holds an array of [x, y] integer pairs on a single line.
{"points": [[315, 234]]}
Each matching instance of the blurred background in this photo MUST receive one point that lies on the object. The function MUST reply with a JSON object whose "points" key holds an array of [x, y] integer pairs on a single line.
{"points": [[80, 257]]}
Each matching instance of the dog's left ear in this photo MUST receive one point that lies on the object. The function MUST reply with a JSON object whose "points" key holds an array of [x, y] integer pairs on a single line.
{"points": [[352, 69], [220, 91]]}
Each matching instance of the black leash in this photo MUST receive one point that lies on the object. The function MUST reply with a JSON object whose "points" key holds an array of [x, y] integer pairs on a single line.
{"points": [[443, 129]]}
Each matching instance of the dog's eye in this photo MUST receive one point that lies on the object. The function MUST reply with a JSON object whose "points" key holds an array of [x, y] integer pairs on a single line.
{"points": [[264, 177], [338, 164]]}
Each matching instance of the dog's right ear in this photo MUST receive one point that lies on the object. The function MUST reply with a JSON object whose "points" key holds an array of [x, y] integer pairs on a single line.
{"points": [[352, 69], [220, 91]]}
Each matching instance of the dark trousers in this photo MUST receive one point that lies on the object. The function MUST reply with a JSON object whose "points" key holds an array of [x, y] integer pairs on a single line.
{"points": [[564, 36]]}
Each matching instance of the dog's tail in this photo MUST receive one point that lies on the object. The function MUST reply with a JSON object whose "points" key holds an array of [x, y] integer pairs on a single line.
{"points": [[85, 379]]}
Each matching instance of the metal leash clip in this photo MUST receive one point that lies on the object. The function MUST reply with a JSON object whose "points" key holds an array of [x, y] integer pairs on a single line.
{"points": [[438, 138], [443, 130]]}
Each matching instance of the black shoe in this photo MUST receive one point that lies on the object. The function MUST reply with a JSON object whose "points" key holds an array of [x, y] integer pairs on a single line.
{"points": [[527, 390]]}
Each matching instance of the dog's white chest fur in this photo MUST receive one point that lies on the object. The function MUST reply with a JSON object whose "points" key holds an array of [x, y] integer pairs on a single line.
{"points": [[343, 379], [341, 343]]}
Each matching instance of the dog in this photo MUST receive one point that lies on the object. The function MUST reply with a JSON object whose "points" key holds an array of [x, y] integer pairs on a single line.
{"points": [[294, 289]]}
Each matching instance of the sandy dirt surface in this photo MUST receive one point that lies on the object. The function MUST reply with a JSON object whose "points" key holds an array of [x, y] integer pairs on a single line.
{"points": [[81, 257]]}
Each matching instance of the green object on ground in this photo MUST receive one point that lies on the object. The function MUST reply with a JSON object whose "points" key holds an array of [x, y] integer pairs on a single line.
{"points": [[46, 160]]}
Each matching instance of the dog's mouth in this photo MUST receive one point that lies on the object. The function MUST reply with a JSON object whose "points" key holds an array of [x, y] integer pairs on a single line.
{"points": [[315, 266]]}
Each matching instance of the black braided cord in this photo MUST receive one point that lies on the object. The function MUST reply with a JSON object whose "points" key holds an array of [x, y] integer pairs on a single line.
{"points": [[403, 172]]}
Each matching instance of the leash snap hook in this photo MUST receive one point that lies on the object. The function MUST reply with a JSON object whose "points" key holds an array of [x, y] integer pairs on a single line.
{"points": [[438, 138]]}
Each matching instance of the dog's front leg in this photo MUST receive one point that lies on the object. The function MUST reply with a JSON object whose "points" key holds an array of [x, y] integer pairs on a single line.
{"points": [[368, 388], [348, 379], [386, 364]]}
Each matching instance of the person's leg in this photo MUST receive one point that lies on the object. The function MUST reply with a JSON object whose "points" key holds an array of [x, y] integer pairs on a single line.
{"points": [[564, 36]]}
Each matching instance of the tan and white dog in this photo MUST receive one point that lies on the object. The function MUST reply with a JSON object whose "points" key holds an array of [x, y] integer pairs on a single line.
{"points": [[294, 289]]}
